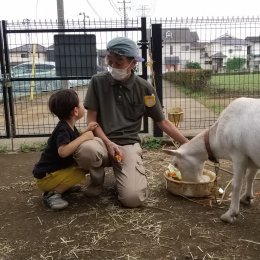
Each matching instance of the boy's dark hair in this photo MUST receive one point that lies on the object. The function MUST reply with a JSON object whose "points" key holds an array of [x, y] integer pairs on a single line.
{"points": [[62, 102]]}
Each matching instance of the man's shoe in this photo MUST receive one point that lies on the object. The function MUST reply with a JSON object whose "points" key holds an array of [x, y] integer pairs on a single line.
{"points": [[94, 190], [54, 200]]}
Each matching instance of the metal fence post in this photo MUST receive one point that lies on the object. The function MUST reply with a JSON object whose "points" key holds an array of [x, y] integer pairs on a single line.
{"points": [[7, 88], [2, 81], [144, 47], [156, 48]]}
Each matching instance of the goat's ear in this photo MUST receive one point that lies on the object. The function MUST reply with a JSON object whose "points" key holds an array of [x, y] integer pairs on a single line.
{"points": [[171, 152]]}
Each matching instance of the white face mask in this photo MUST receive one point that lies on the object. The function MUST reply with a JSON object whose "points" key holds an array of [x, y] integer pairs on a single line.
{"points": [[119, 74]]}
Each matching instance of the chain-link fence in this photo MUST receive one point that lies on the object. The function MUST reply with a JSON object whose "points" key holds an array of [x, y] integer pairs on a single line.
{"points": [[197, 66]]}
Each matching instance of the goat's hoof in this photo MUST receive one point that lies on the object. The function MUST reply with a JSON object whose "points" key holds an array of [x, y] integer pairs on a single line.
{"points": [[247, 200], [228, 218]]}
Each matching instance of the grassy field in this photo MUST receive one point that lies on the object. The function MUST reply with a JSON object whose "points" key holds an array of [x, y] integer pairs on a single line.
{"points": [[240, 83], [222, 89]]}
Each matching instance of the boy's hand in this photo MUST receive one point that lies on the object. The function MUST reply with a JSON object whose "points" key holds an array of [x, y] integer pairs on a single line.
{"points": [[88, 135], [92, 126]]}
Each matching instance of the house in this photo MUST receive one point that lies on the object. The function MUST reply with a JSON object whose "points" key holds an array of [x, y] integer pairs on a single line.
{"points": [[253, 53], [226, 47], [182, 46], [179, 48], [50, 55], [200, 54], [26, 52]]}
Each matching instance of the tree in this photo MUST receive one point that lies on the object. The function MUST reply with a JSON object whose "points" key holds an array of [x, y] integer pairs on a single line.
{"points": [[192, 65], [235, 63]]}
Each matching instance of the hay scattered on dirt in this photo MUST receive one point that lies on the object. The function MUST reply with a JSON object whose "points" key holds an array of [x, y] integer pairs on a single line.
{"points": [[5, 249], [20, 186], [168, 227]]}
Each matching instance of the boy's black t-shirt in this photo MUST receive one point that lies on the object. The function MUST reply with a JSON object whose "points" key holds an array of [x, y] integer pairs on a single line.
{"points": [[50, 160]]}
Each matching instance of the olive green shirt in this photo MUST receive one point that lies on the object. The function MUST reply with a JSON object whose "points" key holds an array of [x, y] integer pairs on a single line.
{"points": [[120, 106]]}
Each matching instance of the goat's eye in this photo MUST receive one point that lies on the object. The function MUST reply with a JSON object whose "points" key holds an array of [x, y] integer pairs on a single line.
{"points": [[176, 165]]}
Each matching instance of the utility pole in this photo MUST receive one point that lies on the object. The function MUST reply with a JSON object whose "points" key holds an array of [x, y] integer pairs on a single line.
{"points": [[143, 9], [60, 13], [124, 2], [61, 25]]}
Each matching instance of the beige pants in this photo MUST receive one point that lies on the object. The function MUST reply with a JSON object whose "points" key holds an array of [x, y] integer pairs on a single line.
{"points": [[131, 182]]}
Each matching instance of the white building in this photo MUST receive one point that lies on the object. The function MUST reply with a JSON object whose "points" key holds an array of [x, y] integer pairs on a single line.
{"points": [[26, 53], [179, 48], [224, 48], [254, 53]]}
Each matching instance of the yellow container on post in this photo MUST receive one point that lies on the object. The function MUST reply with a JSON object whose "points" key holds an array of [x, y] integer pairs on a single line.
{"points": [[175, 115]]}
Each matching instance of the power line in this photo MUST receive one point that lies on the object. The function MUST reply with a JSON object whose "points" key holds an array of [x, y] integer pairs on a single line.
{"points": [[114, 7], [93, 9]]}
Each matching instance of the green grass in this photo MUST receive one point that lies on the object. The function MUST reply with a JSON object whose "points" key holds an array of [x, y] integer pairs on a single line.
{"points": [[34, 147], [3, 149], [151, 143], [240, 82], [216, 108], [222, 89]]}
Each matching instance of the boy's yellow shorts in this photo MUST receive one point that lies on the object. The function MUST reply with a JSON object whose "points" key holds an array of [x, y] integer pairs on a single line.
{"points": [[67, 177]]}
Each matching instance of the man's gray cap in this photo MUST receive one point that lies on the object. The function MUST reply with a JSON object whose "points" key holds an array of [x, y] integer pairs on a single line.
{"points": [[124, 46]]}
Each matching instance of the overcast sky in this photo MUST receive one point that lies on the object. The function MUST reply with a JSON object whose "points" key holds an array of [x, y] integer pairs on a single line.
{"points": [[47, 9]]}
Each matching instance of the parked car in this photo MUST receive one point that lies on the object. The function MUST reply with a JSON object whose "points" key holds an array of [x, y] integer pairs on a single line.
{"points": [[77, 82], [41, 70], [44, 70], [84, 82]]}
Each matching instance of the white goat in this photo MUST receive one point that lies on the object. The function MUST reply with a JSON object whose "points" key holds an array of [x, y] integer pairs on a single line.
{"points": [[235, 136]]}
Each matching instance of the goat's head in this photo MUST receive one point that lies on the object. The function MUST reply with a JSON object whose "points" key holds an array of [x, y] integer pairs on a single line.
{"points": [[191, 167]]}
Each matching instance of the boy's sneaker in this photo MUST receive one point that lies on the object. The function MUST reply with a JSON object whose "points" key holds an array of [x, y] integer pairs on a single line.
{"points": [[54, 200]]}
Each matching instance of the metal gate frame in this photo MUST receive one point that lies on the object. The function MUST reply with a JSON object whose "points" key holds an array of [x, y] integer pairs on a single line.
{"points": [[7, 79]]}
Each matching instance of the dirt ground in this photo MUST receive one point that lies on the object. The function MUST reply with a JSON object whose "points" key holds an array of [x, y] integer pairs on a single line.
{"points": [[168, 227]]}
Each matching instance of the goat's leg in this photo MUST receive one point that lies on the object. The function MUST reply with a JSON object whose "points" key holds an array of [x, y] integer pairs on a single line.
{"points": [[248, 194], [239, 169]]}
